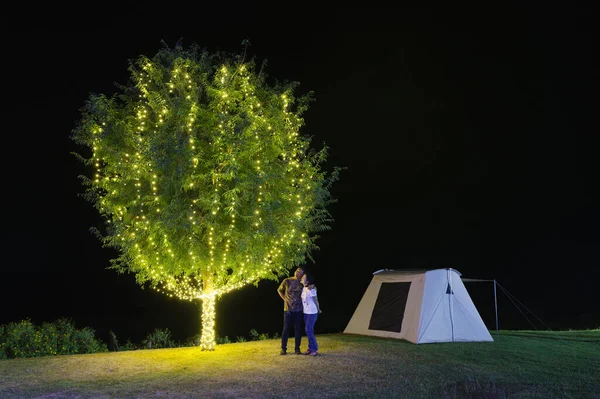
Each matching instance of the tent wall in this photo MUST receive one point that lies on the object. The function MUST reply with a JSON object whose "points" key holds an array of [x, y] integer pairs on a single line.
{"points": [[361, 319], [420, 307], [448, 313]]}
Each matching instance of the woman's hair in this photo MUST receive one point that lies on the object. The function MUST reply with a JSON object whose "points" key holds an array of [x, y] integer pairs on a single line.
{"points": [[309, 278]]}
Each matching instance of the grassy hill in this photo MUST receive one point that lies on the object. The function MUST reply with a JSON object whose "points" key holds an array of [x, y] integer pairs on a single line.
{"points": [[518, 364]]}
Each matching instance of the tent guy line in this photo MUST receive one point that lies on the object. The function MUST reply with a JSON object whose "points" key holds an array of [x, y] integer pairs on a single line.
{"points": [[390, 301]]}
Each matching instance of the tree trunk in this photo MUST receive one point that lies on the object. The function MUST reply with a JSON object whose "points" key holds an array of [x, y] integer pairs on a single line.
{"points": [[208, 339]]}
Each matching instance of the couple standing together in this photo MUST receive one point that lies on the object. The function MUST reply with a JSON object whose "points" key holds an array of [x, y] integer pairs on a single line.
{"points": [[300, 303]]}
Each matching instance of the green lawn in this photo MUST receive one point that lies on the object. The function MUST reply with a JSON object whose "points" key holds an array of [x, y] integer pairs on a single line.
{"points": [[518, 364]]}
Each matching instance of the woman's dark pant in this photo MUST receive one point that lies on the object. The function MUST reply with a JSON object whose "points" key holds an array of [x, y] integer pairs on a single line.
{"points": [[292, 319]]}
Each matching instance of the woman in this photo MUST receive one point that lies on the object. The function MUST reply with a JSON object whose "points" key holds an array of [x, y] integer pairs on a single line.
{"points": [[311, 309]]}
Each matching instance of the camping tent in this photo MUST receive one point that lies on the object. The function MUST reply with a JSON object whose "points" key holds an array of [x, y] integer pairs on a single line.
{"points": [[418, 306]]}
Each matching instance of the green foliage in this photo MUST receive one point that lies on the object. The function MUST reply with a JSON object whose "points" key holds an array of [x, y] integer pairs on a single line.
{"points": [[128, 346], [85, 341], [263, 336], [20, 340], [2, 343], [192, 341], [253, 334], [159, 338], [256, 336], [198, 167], [115, 346], [223, 340], [113, 341], [24, 339]]}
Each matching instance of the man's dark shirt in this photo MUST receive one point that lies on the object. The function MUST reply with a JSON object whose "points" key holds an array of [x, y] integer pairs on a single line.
{"points": [[291, 288]]}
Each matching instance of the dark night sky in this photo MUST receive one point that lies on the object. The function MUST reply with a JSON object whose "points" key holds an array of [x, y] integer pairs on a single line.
{"points": [[467, 134]]}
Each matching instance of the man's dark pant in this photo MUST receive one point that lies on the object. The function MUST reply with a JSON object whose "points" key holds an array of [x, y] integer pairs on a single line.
{"points": [[292, 319]]}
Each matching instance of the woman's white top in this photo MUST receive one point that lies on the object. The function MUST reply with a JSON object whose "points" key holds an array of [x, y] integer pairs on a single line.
{"points": [[308, 300]]}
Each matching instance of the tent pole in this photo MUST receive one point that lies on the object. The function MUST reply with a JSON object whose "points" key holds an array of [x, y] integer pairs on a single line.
{"points": [[496, 304]]}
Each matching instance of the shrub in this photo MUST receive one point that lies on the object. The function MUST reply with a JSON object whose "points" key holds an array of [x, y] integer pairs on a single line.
{"points": [[46, 340], [223, 340], [2, 343], [158, 339], [254, 335], [128, 346], [65, 331], [113, 342], [192, 341], [85, 341], [20, 340], [24, 339]]}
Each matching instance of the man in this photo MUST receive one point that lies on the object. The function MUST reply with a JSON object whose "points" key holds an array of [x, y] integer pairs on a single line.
{"points": [[290, 290]]}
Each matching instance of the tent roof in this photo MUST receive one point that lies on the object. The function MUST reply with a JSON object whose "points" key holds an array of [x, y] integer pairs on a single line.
{"points": [[420, 271], [410, 271]]}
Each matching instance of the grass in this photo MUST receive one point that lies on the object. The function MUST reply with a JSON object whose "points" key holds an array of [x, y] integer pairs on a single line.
{"points": [[518, 364]]}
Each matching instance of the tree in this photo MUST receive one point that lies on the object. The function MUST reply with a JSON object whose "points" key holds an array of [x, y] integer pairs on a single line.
{"points": [[201, 176]]}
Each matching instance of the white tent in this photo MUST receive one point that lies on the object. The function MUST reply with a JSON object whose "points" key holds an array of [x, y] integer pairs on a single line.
{"points": [[418, 306]]}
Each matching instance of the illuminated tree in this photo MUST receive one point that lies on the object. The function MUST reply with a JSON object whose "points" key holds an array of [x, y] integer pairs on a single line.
{"points": [[201, 176]]}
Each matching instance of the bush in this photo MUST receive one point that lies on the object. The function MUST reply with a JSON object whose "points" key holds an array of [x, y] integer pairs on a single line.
{"points": [[115, 346], [85, 341], [128, 346], [65, 331], [46, 340], [192, 341], [24, 339], [158, 339], [20, 340], [113, 341], [223, 340], [253, 335], [2, 344], [256, 336]]}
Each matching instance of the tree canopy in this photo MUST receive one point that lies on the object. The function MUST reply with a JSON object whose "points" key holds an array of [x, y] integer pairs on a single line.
{"points": [[201, 175]]}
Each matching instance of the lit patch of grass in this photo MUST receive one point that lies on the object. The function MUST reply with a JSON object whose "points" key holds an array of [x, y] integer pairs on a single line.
{"points": [[520, 364]]}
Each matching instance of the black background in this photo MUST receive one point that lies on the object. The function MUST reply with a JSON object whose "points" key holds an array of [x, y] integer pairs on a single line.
{"points": [[468, 135]]}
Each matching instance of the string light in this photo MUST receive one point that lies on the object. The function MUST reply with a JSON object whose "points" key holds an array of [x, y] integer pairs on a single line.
{"points": [[206, 184]]}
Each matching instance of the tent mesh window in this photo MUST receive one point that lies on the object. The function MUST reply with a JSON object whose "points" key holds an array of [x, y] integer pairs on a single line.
{"points": [[389, 307]]}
